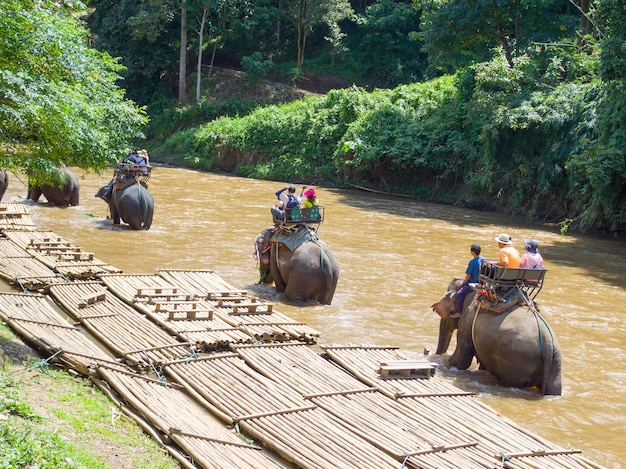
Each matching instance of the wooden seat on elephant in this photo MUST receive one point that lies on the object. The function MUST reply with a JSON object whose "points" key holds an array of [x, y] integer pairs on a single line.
{"points": [[312, 215], [497, 279]]}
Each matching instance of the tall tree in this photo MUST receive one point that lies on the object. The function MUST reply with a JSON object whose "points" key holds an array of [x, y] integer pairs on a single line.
{"points": [[457, 33], [306, 14], [145, 36], [58, 98], [182, 54]]}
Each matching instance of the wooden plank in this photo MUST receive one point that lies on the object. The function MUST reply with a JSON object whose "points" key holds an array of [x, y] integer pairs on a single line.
{"points": [[92, 299], [406, 369], [154, 291]]}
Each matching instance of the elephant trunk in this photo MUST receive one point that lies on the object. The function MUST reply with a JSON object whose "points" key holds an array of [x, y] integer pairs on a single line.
{"points": [[445, 336]]}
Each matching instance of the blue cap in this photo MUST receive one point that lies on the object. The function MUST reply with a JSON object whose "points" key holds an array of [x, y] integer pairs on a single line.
{"points": [[531, 245]]}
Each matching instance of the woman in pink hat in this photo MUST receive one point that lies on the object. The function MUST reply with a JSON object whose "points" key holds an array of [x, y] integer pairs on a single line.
{"points": [[311, 198]]}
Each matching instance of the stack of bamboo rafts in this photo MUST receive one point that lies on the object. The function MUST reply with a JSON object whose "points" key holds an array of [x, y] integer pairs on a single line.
{"points": [[15, 216], [60, 255], [236, 307], [119, 326], [177, 310]]}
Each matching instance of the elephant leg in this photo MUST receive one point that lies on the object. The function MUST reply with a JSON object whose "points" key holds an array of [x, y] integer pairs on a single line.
{"points": [[147, 223], [278, 279], [74, 198], [34, 193], [114, 215], [465, 350]]}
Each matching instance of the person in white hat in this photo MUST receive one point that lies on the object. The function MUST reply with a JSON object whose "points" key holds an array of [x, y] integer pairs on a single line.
{"points": [[509, 256]]}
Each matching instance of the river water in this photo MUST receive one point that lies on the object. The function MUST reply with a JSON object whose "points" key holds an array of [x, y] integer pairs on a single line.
{"points": [[396, 258]]}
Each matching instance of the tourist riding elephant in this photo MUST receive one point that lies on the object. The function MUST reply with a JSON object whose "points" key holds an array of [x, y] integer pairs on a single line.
{"points": [[516, 345], [62, 192], [130, 202], [299, 262], [4, 182]]}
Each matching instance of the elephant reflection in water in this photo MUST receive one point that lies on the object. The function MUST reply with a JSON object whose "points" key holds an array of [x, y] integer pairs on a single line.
{"points": [[298, 262], [516, 345]]}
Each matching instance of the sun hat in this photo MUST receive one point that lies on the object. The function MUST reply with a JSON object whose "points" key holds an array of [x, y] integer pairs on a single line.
{"points": [[504, 239], [531, 245], [310, 192]]}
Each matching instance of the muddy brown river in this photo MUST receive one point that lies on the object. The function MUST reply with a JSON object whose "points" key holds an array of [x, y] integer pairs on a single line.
{"points": [[396, 258]]}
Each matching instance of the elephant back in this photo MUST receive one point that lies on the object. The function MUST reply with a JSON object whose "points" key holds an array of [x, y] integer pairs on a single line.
{"points": [[294, 238]]}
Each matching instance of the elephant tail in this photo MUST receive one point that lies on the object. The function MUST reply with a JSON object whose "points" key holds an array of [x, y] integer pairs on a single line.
{"points": [[327, 265], [551, 357]]}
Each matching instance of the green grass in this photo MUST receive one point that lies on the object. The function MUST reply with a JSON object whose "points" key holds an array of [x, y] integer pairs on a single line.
{"points": [[51, 419]]}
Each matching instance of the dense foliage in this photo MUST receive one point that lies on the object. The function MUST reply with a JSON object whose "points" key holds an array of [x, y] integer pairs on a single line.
{"points": [[59, 101], [528, 118]]}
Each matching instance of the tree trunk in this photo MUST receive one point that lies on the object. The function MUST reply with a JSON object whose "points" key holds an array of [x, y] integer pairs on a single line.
{"points": [[200, 47], [182, 66]]}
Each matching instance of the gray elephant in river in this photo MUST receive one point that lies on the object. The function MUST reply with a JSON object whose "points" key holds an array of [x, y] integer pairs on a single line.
{"points": [[63, 192], [300, 264], [516, 345], [4, 182], [130, 202]]}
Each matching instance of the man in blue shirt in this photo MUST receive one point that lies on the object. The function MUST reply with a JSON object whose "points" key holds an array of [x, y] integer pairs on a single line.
{"points": [[471, 276]]}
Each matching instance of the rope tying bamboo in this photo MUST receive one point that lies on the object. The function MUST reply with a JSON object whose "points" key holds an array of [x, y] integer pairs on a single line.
{"points": [[41, 364], [162, 378]]}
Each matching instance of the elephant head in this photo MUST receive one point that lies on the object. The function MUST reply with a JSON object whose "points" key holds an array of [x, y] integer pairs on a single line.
{"points": [[300, 264], [63, 191], [262, 247], [516, 345], [445, 307], [4, 182]]}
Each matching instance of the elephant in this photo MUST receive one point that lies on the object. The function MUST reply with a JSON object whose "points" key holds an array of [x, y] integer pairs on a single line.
{"points": [[4, 182], [299, 262], [63, 192], [516, 345], [130, 202]]}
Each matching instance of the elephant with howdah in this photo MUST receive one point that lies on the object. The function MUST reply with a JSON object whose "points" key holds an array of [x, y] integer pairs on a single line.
{"points": [[299, 263], [63, 192], [130, 202], [516, 345]]}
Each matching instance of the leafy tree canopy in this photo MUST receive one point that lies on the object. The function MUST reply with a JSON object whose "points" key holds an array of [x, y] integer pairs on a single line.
{"points": [[58, 98]]}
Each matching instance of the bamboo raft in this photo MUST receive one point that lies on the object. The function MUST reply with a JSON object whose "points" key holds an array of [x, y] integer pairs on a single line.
{"points": [[15, 216], [176, 310], [349, 406], [19, 268], [125, 331], [173, 414], [236, 307], [35, 318]]}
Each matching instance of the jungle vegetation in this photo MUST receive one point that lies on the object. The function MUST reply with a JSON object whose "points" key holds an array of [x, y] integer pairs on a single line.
{"points": [[514, 105]]}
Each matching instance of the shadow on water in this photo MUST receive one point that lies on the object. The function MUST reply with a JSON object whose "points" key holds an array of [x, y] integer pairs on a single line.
{"points": [[557, 250]]}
